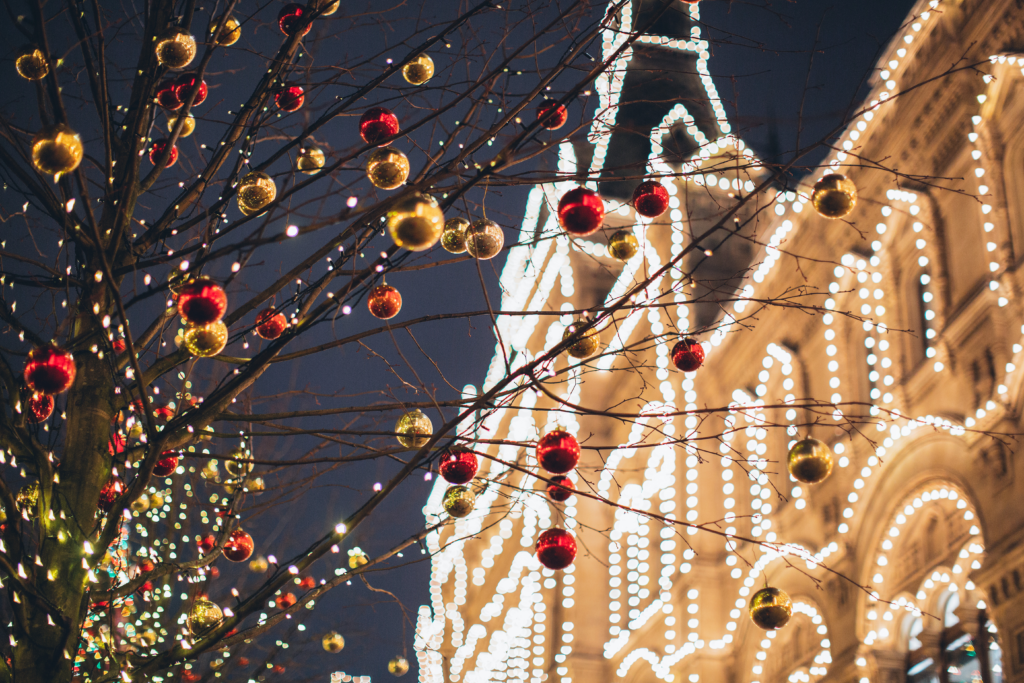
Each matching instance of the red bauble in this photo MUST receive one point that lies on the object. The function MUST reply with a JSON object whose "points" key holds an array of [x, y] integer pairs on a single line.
{"points": [[163, 413], [184, 86], [157, 148], [109, 493], [581, 212], [650, 198], [286, 600], [688, 354], [206, 544], [290, 98], [40, 407], [116, 444], [552, 115], [458, 465], [307, 582], [558, 451], [119, 346], [291, 17], [167, 95], [377, 124], [556, 548], [384, 302], [165, 466], [557, 489], [49, 370], [270, 324], [202, 302], [239, 546], [147, 566]]}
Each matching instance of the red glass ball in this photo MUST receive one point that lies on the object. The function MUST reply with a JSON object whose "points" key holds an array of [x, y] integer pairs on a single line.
{"points": [[290, 98], [109, 493], [119, 346], [290, 18], [49, 370], [650, 199], [163, 413], [157, 148], [202, 302], [116, 444], [307, 582], [167, 95], [40, 407], [239, 546], [206, 544], [556, 548], [384, 302], [377, 124], [557, 488], [286, 600], [147, 565], [688, 355], [558, 451], [458, 465], [165, 467], [581, 212], [552, 115], [185, 84], [270, 324]]}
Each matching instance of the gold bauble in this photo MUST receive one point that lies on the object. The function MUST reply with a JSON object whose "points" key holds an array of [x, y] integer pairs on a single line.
{"points": [[229, 34], [141, 504], [834, 196], [419, 70], [156, 500], [28, 498], [331, 7], [311, 159], [585, 346], [333, 642], [398, 666], [770, 608], [414, 429], [484, 239], [255, 485], [453, 237], [810, 461], [259, 565], [387, 168], [255, 191], [147, 638], [203, 341], [623, 245], [357, 558], [210, 470], [240, 464], [459, 501], [176, 49], [31, 63], [186, 128], [203, 616], [57, 150], [415, 222]]}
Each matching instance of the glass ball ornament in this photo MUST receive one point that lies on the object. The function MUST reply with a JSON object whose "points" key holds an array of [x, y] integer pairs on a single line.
{"points": [[255, 485], [387, 168], [357, 558], [141, 504], [561, 488], [239, 463], [259, 565], [31, 63], [333, 642], [203, 616], [255, 191], [202, 301], [377, 124], [49, 370], [311, 159], [458, 465], [270, 324], [770, 608], [398, 666], [229, 34], [414, 429], [57, 150], [203, 341], [810, 461], [419, 70], [40, 407], [650, 199], [687, 354], [187, 128], [558, 451], [157, 149], [834, 196], [167, 95], [109, 494], [459, 501], [384, 302], [586, 343], [623, 245], [581, 212], [415, 222], [175, 49], [185, 84], [484, 239], [555, 548], [166, 465], [291, 17], [28, 498], [453, 237], [328, 6], [290, 98], [552, 115], [239, 546]]}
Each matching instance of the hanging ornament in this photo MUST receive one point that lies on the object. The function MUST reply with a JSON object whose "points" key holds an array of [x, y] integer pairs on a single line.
{"points": [[453, 237], [650, 199], [552, 115], [203, 341], [561, 488], [585, 346], [484, 239], [229, 34], [333, 642], [158, 148], [206, 544], [57, 150], [329, 7], [623, 245], [770, 608], [175, 49], [165, 466], [184, 86], [556, 548], [414, 429], [40, 407], [687, 354], [285, 601], [377, 124], [290, 98], [459, 501], [31, 64], [311, 158], [384, 302], [203, 617], [810, 461], [419, 70], [415, 222], [239, 546], [255, 191], [255, 485], [270, 324], [357, 558], [558, 451], [398, 666], [259, 565], [167, 95], [458, 465], [49, 370], [834, 196], [202, 301], [581, 212], [186, 128], [387, 168], [291, 17], [141, 504], [28, 498], [110, 492], [239, 463]]}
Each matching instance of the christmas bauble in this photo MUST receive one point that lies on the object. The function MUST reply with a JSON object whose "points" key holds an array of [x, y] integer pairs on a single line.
{"points": [[49, 370], [810, 461], [453, 237], [110, 493], [687, 354], [31, 63], [650, 199], [290, 98], [239, 463], [333, 642], [141, 504], [259, 565], [203, 616], [329, 7], [229, 34], [414, 429], [581, 212], [418, 71], [357, 558], [291, 17], [270, 324], [203, 341], [167, 95], [166, 465], [415, 222], [239, 546], [157, 149], [834, 196], [377, 124], [156, 500], [552, 115], [459, 501], [185, 84], [484, 239], [586, 343], [206, 544], [28, 498], [623, 245], [556, 548], [175, 49], [255, 191], [285, 601], [398, 666], [57, 150], [202, 301], [558, 451], [384, 302], [40, 407], [561, 488], [186, 128], [770, 608], [255, 485], [311, 158], [458, 465], [387, 168]]}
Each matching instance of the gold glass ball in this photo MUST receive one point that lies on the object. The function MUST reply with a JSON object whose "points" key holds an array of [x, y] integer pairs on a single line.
{"points": [[148, 638], [229, 34], [28, 498], [57, 150], [240, 464], [357, 558], [770, 608], [398, 666], [414, 429], [585, 346], [311, 159], [419, 70], [453, 237], [484, 239], [810, 461], [203, 616], [459, 501], [207, 340], [415, 222], [333, 642], [623, 245], [255, 485], [255, 191], [141, 504], [331, 7], [259, 565], [156, 500], [834, 196], [210, 470], [31, 63], [186, 129], [387, 168], [176, 49]]}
